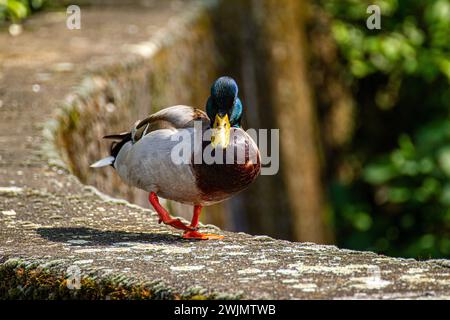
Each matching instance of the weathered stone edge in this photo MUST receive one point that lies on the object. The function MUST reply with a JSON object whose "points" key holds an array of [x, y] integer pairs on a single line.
{"points": [[143, 53], [46, 279], [40, 278], [26, 278]]}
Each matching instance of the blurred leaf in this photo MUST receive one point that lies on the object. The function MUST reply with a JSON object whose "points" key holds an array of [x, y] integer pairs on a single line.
{"points": [[445, 195], [444, 160], [444, 66], [401, 75], [379, 173], [427, 241], [17, 8], [36, 4], [398, 194], [363, 221]]}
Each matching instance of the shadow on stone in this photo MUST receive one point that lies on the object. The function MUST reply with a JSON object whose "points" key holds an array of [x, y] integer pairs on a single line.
{"points": [[83, 236]]}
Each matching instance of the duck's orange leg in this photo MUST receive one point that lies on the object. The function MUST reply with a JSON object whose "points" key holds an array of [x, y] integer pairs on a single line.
{"points": [[195, 234], [165, 217]]}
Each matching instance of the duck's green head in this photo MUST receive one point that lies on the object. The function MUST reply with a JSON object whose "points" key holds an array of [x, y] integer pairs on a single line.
{"points": [[224, 109]]}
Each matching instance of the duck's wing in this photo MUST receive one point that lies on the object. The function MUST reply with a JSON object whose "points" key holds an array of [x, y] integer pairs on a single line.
{"points": [[176, 117]]}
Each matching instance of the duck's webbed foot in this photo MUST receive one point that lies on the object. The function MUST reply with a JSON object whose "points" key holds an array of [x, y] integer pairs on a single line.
{"points": [[194, 234], [165, 217], [201, 236]]}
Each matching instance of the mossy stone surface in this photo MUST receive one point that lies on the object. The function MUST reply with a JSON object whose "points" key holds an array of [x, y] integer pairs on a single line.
{"points": [[60, 239]]}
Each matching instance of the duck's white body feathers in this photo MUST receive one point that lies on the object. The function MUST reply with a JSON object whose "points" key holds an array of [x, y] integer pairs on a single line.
{"points": [[142, 159], [147, 165]]}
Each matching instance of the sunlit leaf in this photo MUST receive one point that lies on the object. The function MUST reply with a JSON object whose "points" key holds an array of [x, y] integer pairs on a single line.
{"points": [[378, 173], [444, 160], [17, 8]]}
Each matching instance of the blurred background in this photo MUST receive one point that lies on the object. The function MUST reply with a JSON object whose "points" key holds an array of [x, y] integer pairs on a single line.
{"points": [[363, 118]]}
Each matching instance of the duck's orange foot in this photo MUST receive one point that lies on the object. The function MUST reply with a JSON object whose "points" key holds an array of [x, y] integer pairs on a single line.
{"points": [[176, 223], [201, 236]]}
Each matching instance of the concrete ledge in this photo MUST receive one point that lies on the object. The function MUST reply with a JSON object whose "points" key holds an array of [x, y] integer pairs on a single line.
{"points": [[62, 239]]}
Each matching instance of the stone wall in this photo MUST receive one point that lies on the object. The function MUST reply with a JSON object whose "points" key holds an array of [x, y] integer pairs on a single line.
{"points": [[62, 239], [178, 64]]}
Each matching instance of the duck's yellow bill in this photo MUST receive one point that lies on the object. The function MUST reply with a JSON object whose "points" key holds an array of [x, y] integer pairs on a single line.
{"points": [[220, 135]]}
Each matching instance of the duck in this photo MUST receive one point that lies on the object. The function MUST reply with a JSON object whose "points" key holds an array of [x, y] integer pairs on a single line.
{"points": [[187, 155]]}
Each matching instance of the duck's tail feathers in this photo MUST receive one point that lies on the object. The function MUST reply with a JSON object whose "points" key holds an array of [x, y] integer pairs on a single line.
{"points": [[115, 148], [103, 162], [119, 136]]}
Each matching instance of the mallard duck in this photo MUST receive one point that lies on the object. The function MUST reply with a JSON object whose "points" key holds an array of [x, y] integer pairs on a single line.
{"points": [[144, 157]]}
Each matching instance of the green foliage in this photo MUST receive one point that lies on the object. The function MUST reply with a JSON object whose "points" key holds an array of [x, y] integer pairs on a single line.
{"points": [[17, 10], [398, 200]]}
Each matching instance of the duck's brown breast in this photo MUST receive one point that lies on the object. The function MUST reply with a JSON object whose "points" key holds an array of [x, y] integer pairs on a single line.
{"points": [[219, 181]]}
